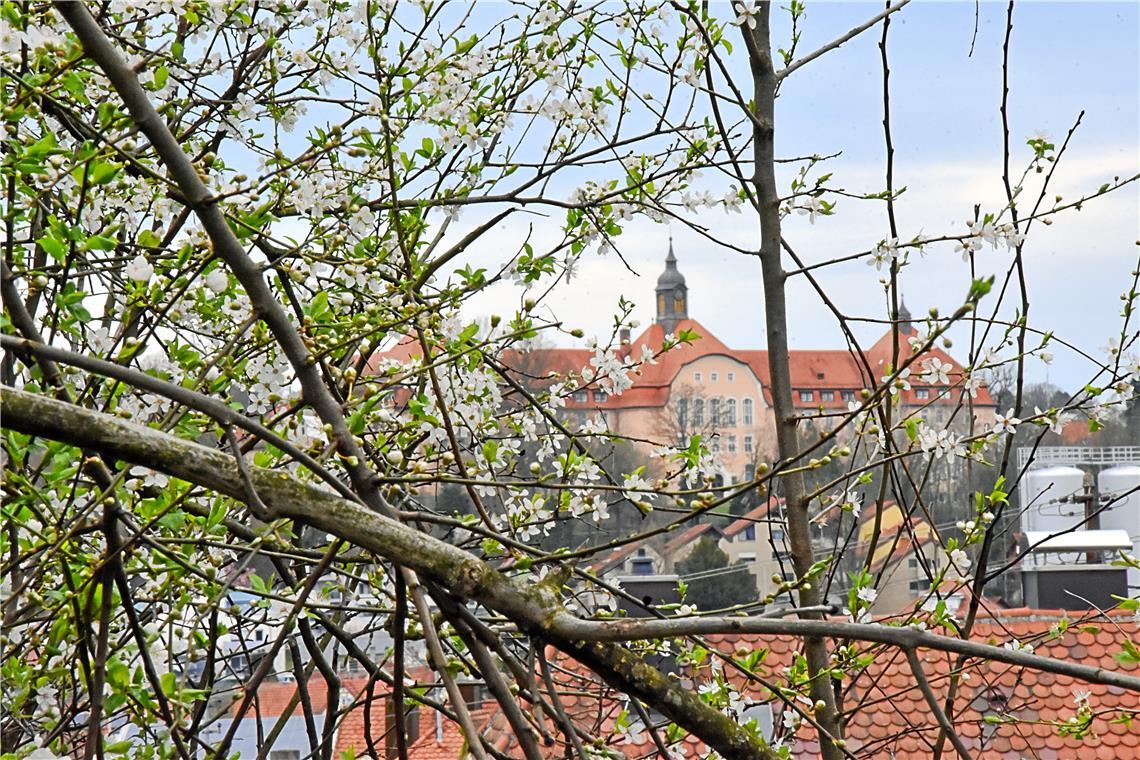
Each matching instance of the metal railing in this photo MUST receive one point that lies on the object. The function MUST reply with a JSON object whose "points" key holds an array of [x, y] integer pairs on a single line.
{"points": [[1098, 455]]}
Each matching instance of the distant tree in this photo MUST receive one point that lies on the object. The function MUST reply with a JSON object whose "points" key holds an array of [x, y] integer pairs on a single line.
{"points": [[715, 583]]}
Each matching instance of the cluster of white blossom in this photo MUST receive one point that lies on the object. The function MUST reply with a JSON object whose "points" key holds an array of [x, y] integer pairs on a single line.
{"points": [[982, 232], [940, 443], [271, 379]]}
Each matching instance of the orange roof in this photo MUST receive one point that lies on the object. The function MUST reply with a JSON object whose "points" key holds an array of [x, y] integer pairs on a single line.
{"points": [[687, 536], [1027, 705], [1002, 712], [751, 517], [816, 370]]}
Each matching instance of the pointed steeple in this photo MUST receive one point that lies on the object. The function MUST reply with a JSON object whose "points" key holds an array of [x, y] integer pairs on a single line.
{"points": [[672, 294], [904, 315]]}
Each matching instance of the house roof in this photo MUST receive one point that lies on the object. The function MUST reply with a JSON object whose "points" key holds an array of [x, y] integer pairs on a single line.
{"points": [[1028, 706], [899, 534], [1004, 712], [690, 534], [445, 741], [751, 517], [815, 370]]}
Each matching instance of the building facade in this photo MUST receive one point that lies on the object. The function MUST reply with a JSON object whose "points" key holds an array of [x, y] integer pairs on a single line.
{"points": [[724, 394]]}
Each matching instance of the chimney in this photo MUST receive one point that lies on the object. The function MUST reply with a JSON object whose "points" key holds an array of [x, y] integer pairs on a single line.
{"points": [[624, 335], [411, 728]]}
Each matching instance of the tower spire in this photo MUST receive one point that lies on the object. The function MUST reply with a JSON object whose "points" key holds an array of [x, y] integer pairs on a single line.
{"points": [[904, 314], [672, 294]]}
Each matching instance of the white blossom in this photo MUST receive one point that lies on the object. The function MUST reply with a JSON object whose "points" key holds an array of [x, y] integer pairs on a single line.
{"points": [[217, 280], [1005, 423], [936, 371], [139, 269], [746, 14]]}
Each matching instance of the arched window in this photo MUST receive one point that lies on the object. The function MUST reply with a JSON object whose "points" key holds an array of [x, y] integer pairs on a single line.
{"points": [[660, 303], [714, 411], [678, 304], [730, 412], [682, 412], [747, 404], [698, 412]]}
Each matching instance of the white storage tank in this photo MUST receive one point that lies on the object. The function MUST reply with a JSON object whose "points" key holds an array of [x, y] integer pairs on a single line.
{"points": [[1048, 503], [1123, 511]]}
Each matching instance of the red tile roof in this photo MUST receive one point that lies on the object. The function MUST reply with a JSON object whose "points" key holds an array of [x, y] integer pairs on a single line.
{"points": [[1002, 712], [815, 370]]}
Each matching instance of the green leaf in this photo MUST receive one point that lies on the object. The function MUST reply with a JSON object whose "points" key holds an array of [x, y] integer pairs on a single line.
{"points": [[54, 247], [99, 243], [102, 172], [318, 308]]}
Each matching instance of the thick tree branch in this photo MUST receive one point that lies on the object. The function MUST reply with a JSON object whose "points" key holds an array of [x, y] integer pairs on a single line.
{"points": [[532, 608], [464, 575], [764, 83]]}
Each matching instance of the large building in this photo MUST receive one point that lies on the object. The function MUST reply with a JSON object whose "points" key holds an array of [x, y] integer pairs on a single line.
{"points": [[724, 393]]}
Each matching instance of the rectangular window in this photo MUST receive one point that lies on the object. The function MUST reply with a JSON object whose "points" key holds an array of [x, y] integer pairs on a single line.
{"points": [[697, 376], [806, 396], [747, 408], [750, 472], [922, 393], [731, 376], [600, 396], [714, 411], [748, 445], [827, 395], [698, 412], [581, 397], [750, 533], [732, 444], [714, 377], [730, 412], [920, 586], [847, 395], [642, 566], [747, 557]]}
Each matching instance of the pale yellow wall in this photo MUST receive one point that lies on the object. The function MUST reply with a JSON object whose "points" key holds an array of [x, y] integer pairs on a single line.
{"points": [[764, 566], [895, 593], [656, 424]]}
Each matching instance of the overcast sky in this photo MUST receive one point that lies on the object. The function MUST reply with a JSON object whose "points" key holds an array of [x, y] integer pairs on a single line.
{"points": [[1065, 57]]}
